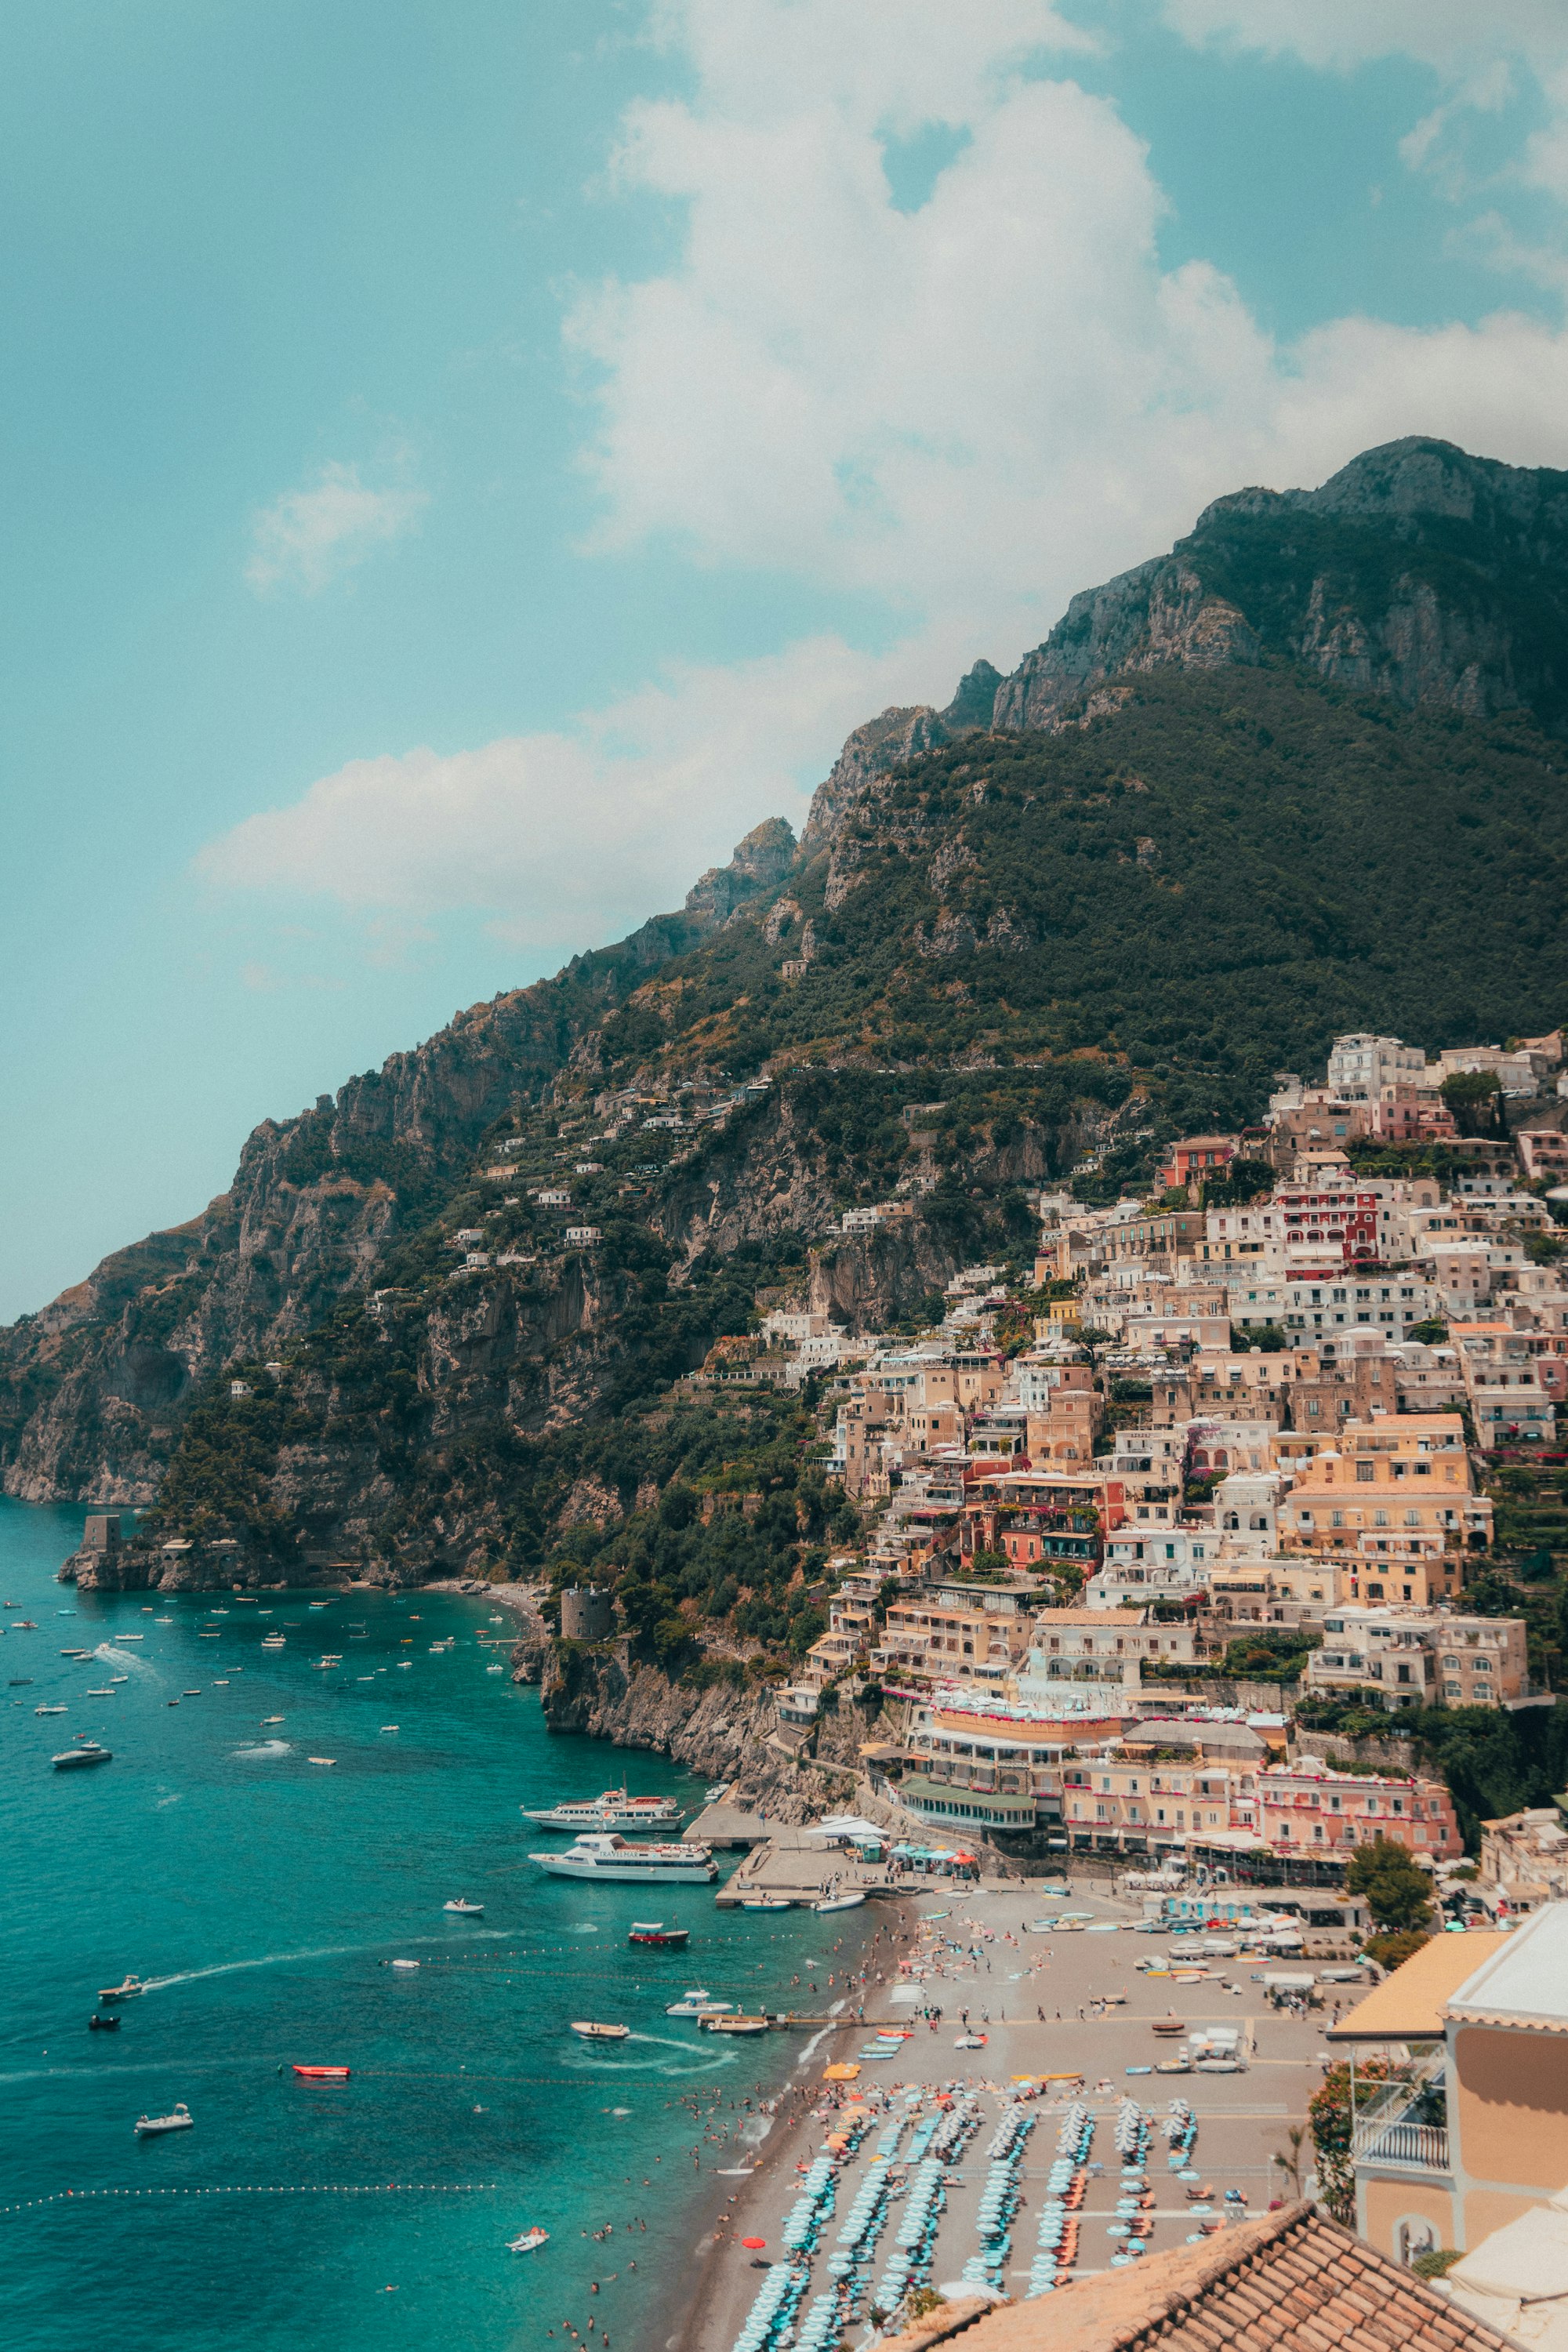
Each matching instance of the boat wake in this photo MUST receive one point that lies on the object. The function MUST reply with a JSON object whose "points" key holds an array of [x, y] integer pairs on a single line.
{"points": [[263, 1751], [689, 2059], [317, 1952], [113, 1658]]}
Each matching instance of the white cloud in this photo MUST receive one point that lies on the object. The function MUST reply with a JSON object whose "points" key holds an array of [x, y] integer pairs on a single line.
{"points": [[963, 412], [1453, 37], [309, 537]]}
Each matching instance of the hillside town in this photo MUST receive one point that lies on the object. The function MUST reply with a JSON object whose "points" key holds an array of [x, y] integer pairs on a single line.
{"points": [[1221, 1466]]}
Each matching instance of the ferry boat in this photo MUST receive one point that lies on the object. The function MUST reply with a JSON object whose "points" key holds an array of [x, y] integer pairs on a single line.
{"points": [[608, 1856], [179, 2118], [72, 1760], [613, 1811], [653, 1932], [588, 2031]]}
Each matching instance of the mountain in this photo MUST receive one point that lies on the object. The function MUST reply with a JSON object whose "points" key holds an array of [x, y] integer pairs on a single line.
{"points": [[1300, 775]]}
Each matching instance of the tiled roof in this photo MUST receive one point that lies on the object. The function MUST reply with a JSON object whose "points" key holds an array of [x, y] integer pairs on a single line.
{"points": [[1290, 2282], [1409, 2005]]}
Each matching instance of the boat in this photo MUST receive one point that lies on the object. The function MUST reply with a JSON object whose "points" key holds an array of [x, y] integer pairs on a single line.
{"points": [[403, 1964], [765, 1902], [529, 2243], [460, 1903], [655, 1933], [320, 1759], [699, 2002], [613, 1811], [1170, 2025], [971, 2042], [389, 1727], [322, 2073], [97, 2024], [716, 1794], [179, 2118], [101, 1694], [610, 1857], [586, 2030], [122, 1992], [1172, 2066], [48, 1710], [72, 1760], [839, 1902], [271, 1718], [739, 2024]]}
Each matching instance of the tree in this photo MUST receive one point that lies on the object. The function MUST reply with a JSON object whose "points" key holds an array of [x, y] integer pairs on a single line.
{"points": [[1332, 2125], [1431, 1331], [1475, 1097], [1396, 1893]]}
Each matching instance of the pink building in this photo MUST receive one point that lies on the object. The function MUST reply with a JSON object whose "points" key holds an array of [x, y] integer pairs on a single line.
{"points": [[1308, 1808]]}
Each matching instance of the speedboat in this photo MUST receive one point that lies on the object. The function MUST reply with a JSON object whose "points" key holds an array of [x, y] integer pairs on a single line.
{"points": [[529, 2243], [698, 2003], [735, 2025], [403, 1964], [122, 1992], [72, 1760], [179, 2118], [839, 1902], [611, 1857], [320, 1759], [460, 1903], [613, 1811], [587, 2032], [322, 2073], [48, 1710], [655, 1933]]}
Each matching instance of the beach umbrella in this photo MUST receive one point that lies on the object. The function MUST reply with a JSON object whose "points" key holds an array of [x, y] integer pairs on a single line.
{"points": [[753, 2245]]}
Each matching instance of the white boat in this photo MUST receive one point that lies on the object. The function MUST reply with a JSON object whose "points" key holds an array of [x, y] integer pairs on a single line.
{"points": [[529, 2243], [698, 2002], [613, 1811], [610, 1857], [48, 1710], [122, 1992], [179, 2118], [765, 1902], [735, 2025], [460, 1903], [587, 2032], [72, 1760], [839, 1902], [403, 1964], [495, 1670]]}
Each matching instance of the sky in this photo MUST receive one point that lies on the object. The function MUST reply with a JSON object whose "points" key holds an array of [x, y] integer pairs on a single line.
{"points": [[466, 462]]}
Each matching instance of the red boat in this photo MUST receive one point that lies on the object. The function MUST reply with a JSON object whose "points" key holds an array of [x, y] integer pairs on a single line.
{"points": [[655, 1932], [322, 2073]]}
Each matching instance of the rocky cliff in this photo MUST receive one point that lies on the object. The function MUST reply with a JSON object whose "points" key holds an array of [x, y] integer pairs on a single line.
{"points": [[1058, 916]]}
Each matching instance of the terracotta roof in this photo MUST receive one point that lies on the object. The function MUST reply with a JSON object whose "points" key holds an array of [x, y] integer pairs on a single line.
{"points": [[1408, 2006], [1290, 2282]]}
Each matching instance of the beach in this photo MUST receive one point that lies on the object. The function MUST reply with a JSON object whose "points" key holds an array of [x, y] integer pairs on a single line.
{"points": [[1005, 1976]]}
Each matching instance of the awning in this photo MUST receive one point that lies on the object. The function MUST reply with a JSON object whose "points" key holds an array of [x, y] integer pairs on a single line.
{"points": [[1408, 2006]]}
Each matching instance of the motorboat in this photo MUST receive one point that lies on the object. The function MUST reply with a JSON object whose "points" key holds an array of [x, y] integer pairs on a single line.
{"points": [[586, 2030], [765, 1902], [48, 1710], [96, 2024], [403, 1964], [699, 2002], [529, 2243], [74, 1759], [839, 1902], [460, 1903], [101, 1694], [179, 2118], [322, 2073], [320, 1759], [654, 1933], [613, 1811], [608, 1855], [271, 1718], [122, 1992], [739, 2024]]}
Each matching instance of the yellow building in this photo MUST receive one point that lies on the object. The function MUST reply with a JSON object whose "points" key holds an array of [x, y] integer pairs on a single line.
{"points": [[1477, 2132], [1394, 1497]]}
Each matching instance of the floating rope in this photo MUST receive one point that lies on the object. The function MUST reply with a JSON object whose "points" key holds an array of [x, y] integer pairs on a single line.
{"points": [[246, 2189]]}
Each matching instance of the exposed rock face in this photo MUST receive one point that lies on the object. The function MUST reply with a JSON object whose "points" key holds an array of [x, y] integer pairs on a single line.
{"points": [[759, 863]]}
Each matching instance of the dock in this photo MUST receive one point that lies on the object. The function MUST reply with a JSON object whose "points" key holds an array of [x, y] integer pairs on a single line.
{"points": [[795, 1867], [729, 1828]]}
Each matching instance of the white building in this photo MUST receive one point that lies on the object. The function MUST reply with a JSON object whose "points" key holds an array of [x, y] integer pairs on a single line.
{"points": [[1360, 1066]]}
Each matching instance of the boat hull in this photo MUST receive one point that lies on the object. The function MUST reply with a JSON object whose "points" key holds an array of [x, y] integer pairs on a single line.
{"points": [[75, 1760], [632, 1873]]}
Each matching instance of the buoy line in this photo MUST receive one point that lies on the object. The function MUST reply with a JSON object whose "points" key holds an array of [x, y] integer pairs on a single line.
{"points": [[249, 2188]]}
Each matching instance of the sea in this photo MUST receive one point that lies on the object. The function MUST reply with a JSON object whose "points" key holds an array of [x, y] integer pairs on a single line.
{"points": [[262, 1897]]}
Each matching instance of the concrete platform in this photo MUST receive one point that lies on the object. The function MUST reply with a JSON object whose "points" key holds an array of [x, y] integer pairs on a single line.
{"points": [[801, 1869], [728, 1827]]}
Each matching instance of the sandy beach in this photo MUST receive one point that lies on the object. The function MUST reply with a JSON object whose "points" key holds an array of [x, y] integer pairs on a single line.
{"points": [[1051, 2003]]}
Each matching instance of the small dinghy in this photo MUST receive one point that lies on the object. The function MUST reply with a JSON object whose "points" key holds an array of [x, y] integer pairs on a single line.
{"points": [[461, 1905], [96, 2024], [322, 2073], [764, 1903], [660, 1938], [529, 2243], [587, 2032], [179, 2118], [403, 1964]]}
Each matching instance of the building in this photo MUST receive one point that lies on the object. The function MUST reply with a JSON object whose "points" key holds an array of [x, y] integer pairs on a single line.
{"points": [[1392, 1658], [1393, 1492], [1475, 2133], [1524, 1861], [1195, 1159], [1361, 1066], [1309, 1808]]}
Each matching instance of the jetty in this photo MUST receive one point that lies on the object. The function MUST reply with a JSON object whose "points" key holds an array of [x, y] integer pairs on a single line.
{"points": [[793, 1866]]}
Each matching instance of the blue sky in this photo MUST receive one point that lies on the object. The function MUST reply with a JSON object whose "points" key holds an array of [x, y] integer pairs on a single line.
{"points": [[465, 465]]}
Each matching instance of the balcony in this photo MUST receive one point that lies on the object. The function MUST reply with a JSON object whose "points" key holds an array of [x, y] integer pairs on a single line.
{"points": [[1413, 2147]]}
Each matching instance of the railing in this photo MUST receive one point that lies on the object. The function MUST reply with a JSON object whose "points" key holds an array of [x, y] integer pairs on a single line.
{"points": [[1421, 2145]]}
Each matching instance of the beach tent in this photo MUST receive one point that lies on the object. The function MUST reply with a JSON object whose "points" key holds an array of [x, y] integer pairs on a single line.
{"points": [[846, 1825]]}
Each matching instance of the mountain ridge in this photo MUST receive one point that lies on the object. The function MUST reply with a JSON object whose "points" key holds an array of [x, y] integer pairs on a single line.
{"points": [[1100, 892]]}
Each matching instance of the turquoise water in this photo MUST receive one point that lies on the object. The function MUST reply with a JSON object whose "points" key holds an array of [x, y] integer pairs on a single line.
{"points": [[262, 1897]]}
